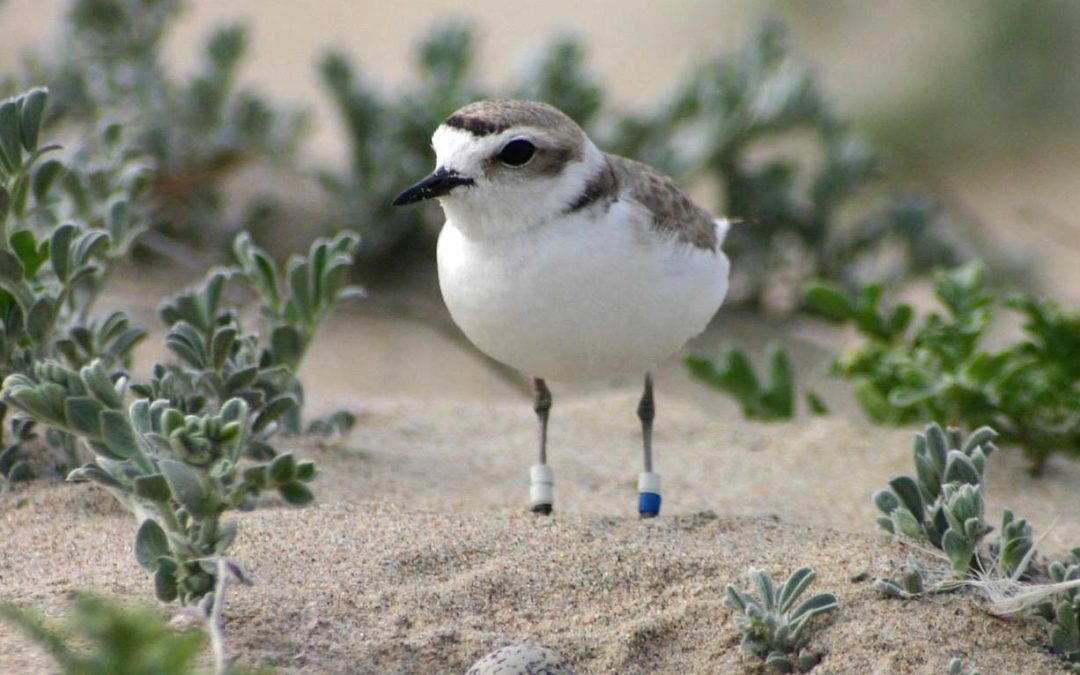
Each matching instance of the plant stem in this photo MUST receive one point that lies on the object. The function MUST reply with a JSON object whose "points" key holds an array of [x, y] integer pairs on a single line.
{"points": [[214, 621]]}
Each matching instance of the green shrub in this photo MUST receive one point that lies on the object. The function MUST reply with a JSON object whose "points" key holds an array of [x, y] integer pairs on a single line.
{"points": [[773, 626], [109, 66], [66, 225], [734, 375], [940, 370], [102, 636], [217, 360], [1063, 610]]}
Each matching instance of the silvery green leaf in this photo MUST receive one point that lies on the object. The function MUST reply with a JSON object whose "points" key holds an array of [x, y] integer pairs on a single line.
{"points": [[152, 488], [808, 660], [151, 543], [172, 420], [273, 410], [889, 588], [234, 410], [733, 597], [10, 141], [165, 586], [300, 286], [221, 344], [296, 493], [242, 378], [226, 536], [960, 469], [305, 471], [139, 413], [937, 446], [286, 345], [795, 585], [906, 524], [764, 584], [101, 385], [188, 488], [59, 248], [779, 662], [886, 523], [818, 604], [44, 177], [94, 473], [907, 490], [955, 436], [959, 552], [979, 437], [83, 415], [11, 269], [33, 109], [283, 468]]}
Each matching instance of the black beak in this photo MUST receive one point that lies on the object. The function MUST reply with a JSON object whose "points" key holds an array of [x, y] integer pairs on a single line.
{"points": [[436, 185]]}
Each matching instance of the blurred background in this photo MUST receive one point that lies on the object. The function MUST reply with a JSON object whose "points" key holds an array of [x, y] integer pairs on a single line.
{"points": [[970, 108]]}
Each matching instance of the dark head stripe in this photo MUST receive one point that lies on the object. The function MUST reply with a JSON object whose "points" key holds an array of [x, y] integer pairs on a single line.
{"points": [[476, 126]]}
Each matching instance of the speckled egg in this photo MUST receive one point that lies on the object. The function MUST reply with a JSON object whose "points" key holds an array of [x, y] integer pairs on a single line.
{"points": [[521, 660]]}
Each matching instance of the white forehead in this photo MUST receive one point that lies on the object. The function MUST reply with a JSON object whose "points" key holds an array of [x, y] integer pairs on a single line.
{"points": [[460, 149]]}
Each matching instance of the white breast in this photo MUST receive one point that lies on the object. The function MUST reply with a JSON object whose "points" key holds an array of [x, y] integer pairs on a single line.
{"points": [[580, 298]]}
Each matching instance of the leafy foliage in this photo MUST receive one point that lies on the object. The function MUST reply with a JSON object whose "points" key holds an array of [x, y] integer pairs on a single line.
{"points": [[956, 667], [772, 624], [734, 375], [729, 113], [177, 473], [109, 66], [940, 370], [1063, 610], [943, 503], [390, 137], [217, 361], [65, 227], [103, 636]]}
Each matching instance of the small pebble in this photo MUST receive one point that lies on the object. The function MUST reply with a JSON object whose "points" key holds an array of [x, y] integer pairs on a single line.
{"points": [[521, 660]]}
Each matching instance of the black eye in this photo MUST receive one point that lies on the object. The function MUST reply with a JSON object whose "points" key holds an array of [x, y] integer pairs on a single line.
{"points": [[517, 152]]}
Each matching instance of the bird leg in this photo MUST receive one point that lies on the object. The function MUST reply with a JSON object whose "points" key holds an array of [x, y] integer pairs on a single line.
{"points": [[541, 478], [648, 482]]}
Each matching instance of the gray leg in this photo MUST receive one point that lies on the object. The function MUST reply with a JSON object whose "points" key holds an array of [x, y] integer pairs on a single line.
{"points": [[648, 482], [542, 480]]}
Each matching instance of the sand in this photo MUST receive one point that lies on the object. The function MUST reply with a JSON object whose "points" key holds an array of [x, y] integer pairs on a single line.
{"points": [[420, 556]]}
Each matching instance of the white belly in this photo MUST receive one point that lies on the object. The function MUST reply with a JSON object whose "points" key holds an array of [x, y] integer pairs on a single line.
{"points": [[578, 299]]}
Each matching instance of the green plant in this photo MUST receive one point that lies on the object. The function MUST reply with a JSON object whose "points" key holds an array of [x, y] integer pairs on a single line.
{"points": [[1063, 610], [773, 626], [390, 139], [943, 503], [734, 109], [734, 375], [179, 474], [1029, 391], [13, 467], [109, 65], [65, 227], [956, 667], [912, 584], [102, 636], [217, 361]]}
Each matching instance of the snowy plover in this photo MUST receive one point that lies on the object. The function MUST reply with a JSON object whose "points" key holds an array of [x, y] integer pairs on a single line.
{"points": [[565, 262]]}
